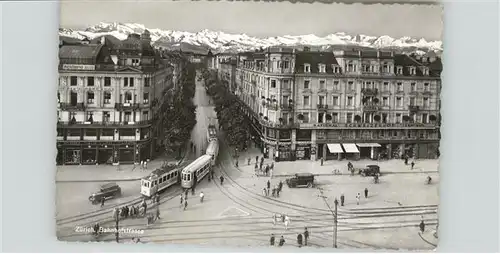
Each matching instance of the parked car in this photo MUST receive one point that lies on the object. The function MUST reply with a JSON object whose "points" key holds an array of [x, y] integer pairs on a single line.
{"points": [[370, 170], [301, 180], [106, 191]]}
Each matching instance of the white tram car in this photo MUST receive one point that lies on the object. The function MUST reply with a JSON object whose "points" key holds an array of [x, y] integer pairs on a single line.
{"points": [[213, 150], [159, 180], [196, 171]]}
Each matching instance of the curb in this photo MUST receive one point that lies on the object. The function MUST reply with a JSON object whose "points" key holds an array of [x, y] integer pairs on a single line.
{"points": [[348, 174], [120, 179]]}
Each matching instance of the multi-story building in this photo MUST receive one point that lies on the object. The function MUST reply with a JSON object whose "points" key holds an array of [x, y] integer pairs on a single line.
{"points": [[341, 104], [109, 95]]}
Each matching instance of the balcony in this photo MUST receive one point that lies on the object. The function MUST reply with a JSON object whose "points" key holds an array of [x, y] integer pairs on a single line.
{"points": [[286, 106], [72, 107], [322, 107], [371, 107], [79, 124], [413, 108], [126, 106], [127, 138], [369, 91], [272, 106], [106, 138]]}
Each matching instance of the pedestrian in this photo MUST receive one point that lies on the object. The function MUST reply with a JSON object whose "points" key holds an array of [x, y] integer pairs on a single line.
{"points": [[157, 213], [268, 184], [422, 226], [146, 164], [366, 192], [249, 161], [306, 236], [256, 159], [264, 192], [201, 197], [221, 179], [299, 240], [412, 164], [358, 196], [322, 161], [260, 167], [142, 165], [271, 173], [182, 200], [102, 202], [282, 241], [274, 192], [115, 213], [287, 222], [185, 204], [271, 240], [280, 185], [275, 218], [262, 160], [406, 160], [272, 166], [236, 163], [342, 199], [278, 191]]}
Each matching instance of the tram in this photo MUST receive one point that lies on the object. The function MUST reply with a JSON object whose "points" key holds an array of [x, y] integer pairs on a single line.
{"points": [[160, 179], [211, 132], [196, 171], [213, 150]]}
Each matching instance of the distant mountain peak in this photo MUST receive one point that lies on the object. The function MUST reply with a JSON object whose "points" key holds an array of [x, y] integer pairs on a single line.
{"points": [[219, 41]]}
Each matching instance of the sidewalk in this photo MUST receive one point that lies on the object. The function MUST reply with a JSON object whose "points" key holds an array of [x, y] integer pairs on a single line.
{"points": [[286, 168], [109, 173], [429, 237]]}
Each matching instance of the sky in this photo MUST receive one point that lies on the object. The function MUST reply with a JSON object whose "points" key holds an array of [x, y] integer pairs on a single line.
{"points": [[260, 19]]}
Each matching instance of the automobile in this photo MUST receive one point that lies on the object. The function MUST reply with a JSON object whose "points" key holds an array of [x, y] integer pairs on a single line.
{"points": [[106, 191], [370, 170], [301, 180]]}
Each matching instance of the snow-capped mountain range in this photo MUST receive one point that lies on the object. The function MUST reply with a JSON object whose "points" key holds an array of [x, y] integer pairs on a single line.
{"points": [[222, 42]]}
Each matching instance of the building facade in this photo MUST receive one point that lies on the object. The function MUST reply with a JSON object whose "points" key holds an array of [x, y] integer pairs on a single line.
{"points": [[108, 100], [342, 104]]}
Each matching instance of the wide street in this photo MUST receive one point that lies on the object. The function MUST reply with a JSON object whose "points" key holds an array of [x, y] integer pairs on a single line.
{"points": [[237, 213]]}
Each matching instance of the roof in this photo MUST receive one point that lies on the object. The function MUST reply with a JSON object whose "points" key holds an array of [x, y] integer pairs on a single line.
{"points": [[161, 171], [202, 160], [113, 41], [314, 59], [69, 40], [436, 67], [88, 51], [406, 61]]}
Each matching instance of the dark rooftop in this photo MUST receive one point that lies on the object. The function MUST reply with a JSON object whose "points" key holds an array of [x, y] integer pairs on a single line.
{"points": [[314, 59], [89, 51]]}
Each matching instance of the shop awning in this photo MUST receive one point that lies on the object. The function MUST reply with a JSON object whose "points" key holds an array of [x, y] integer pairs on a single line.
{"points": [[335, 148], [368, 145], [350, 148]]}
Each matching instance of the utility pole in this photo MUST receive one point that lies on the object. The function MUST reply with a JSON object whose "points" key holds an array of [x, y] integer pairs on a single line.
{"points": [[117, 234], [334, 213]]}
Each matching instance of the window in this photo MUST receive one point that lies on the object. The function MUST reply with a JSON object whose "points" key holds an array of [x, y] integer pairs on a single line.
{"points": [[286, 64], [398, 118], [399, 102], [125, 81], [336, 69], [285, 100], [285, 84], [90, 116], [322, 84], [58, 97], [90, 81], [386, 86], [412, 101], [107, 97], [307, 68], [306, 84], [366, 67], [349, 101], [73, 81], [320, 118], [145, 97], [128, 97], [322, 68], [73, 98], [306, 117], [413, 87], [107, 81], [306, 101], [145, 115], [349, 118], [385, 68], [335, 101], [131, 81], [400, 86], [273, 83], [350, 85], [426, 87], [335, 117], [321, 100], [106, 117], [385, 101], [90, 97], [424, 118], [425, 71], [336, 85], [147, 82], [412, 70], [426, 102], [350, 67], [399, 70]]}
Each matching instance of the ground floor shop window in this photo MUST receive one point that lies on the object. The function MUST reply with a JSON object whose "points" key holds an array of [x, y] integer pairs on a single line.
{"points": [[72, 156], [126, 155], [105, 156], [303, 152], [89, 156]]}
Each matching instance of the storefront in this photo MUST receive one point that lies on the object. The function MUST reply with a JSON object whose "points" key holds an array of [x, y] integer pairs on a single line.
{"points": [[89, 155], [334, 151], [303, 152], [105, 154], [427, 151], [351, 151], [73, 155], [126, 154], [368, 150], [284, 153], [60, 157]]}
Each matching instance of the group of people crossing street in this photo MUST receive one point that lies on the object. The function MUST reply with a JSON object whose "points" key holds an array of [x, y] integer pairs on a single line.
{"points": [[302, 239]]}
